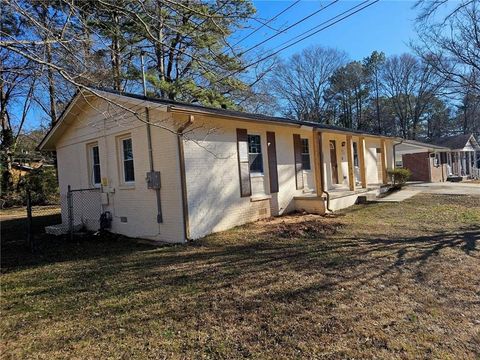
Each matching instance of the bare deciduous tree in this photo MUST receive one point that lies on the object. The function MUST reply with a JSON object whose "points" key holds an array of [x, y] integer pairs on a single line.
{"points": [[300, 83], [411, 85], [451, 42]]}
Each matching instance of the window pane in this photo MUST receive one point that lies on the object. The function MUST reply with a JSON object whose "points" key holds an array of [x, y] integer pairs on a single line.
{"points": [[256, 163], [306, 161], [95, 154], [96, 166], [305, 149], [128, 169], [127, 149], [96, 174], [254, 145], [305, 155], [255, 153]]}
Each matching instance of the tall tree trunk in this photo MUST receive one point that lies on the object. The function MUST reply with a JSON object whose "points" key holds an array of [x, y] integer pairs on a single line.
{"points": [[51, 86], [115, 48], [159, 53], [87, 40], [7, 142], [50, 75], [377, 104]]}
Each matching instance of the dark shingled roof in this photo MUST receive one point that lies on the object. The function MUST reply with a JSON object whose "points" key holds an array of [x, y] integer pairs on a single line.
{"points": [[236, 114], [453, 142], [177, 105]]}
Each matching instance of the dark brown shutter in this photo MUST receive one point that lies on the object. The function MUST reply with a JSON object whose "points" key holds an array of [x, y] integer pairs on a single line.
{"points": [[272, 162], [297, 148], [243, 164], [443, 157]]}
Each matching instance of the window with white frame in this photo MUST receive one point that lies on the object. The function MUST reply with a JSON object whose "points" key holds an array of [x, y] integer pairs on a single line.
{"points": [[255, 154], [94, 161], [127, 160], [305, 155]]}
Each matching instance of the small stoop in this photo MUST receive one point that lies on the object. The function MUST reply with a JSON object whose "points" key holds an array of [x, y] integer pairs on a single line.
{"points": [[61, 229], [398, 196], [367, 197], [455, 178]]}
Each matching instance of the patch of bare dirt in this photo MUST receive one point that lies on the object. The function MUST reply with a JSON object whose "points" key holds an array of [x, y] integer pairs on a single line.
{"points": [[300, 225]]}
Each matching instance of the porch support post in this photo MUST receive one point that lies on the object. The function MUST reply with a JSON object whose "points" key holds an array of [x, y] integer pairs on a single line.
{"points": [[351, 171], [462, 163], [457, 163], [468, 170], [384, 161], [317, 162], [361, 160]]}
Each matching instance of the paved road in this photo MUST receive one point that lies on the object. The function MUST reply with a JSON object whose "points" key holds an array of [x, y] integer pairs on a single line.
{"points": [[447, 188]]}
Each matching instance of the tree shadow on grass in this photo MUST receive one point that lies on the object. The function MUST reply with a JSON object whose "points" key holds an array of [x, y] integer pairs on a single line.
{"points": [[212, 279], [17, 254]]}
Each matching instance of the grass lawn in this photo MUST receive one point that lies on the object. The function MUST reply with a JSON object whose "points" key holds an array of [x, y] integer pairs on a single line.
{"points": [[384, 281]]}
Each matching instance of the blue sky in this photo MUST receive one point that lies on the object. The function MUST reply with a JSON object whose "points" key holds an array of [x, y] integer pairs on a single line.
{"points": [[386, 26]]}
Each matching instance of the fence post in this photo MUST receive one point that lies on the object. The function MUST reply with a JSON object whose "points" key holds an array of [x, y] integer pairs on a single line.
{"points": [[70, 211], [29, 221]]}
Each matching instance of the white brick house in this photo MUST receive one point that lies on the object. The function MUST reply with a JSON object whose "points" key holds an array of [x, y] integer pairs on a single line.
{"points": [[228, 168]]}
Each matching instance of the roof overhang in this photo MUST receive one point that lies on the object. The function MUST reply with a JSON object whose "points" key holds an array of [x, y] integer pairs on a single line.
{"points": [[184, 110], [82, 98], [75, 107], [407, 146]]}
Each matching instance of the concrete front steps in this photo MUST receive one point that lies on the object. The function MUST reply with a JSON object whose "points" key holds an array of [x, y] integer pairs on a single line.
{"points": [[339, 199]]}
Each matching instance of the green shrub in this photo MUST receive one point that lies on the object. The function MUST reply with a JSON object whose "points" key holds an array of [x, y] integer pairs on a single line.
{"points": [[399, 176], [43, 187], [42, 183]]}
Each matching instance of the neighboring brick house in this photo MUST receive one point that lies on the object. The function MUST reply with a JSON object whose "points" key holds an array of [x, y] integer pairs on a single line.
{"points": [[425, 167], [219, 168], [446, 158]]}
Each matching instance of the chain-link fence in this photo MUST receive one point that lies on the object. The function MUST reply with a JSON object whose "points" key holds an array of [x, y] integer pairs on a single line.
{"points": [[83, 210], [77, 210], [26, 224]]}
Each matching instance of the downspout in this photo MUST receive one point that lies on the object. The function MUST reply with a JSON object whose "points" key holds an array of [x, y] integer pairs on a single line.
{"points": [[181, 158], [150, 149], [322, 181], [395, 153]]}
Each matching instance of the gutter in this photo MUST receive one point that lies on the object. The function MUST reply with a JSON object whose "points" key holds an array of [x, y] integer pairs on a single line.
{"points": [[181, 158], [176, 109]]}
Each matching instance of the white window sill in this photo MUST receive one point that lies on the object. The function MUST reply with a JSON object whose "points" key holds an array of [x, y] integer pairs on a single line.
{"points": [[254, 175], [126, 186], [260, 197]]}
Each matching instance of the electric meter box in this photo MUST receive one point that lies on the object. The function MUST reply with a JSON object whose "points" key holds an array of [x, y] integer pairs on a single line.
{"points": [[153, 180]]}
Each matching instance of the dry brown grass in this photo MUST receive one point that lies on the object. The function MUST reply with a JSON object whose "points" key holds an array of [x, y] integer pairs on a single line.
{"points": [[384, 281]]}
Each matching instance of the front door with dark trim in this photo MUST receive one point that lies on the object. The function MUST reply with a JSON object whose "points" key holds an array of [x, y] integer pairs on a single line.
{"points": [[333, 161]]}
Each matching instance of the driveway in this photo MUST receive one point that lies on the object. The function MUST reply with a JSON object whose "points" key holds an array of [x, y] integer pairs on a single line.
{"points": [[446, 188]]}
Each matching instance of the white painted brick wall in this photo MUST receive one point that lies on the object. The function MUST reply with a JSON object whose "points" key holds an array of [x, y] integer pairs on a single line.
{"points": [[213, 187], [138, 204], [213, 180]]}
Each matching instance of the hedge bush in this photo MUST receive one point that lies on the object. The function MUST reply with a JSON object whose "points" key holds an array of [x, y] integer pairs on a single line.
{"points": [[399, 176]]}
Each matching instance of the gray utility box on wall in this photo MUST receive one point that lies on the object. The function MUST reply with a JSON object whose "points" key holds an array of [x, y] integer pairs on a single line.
{"points": [[153, 180]]}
